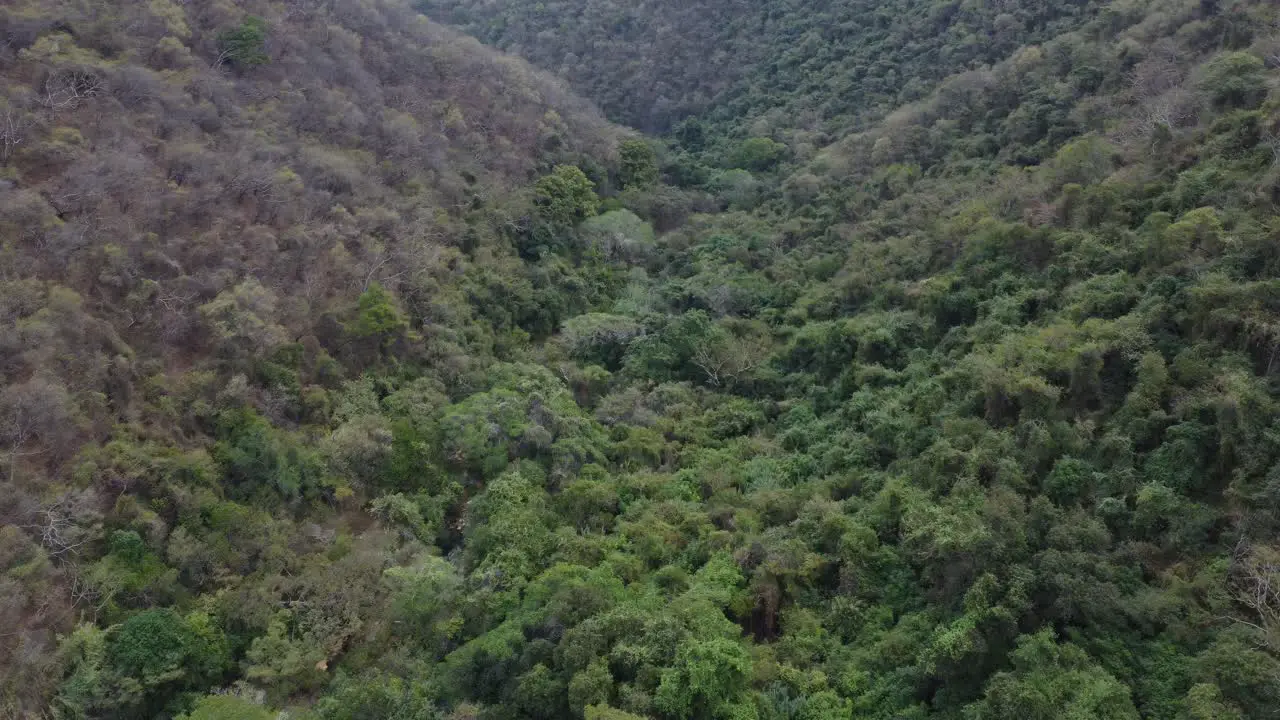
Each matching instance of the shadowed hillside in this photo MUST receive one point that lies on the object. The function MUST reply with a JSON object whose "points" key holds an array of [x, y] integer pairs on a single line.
{"points": [[822, 66]]}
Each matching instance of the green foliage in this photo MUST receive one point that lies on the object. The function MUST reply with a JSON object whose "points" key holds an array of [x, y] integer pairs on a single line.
{"points": [[245, 46], [261, 460], [378, 320], [604, 712], [227, 707], [737, 188], [619, 235], [377, 696], [1052, 681], [283, 663], [377, 314], [1204, 702], [597, 338], [242, 318], [707, 680], [138, 668], [157, 644], [637, 164], [705, 67], [757, 154], [1236, 80], [423, 597], [390, 381], [566, 197], [130, 574]]}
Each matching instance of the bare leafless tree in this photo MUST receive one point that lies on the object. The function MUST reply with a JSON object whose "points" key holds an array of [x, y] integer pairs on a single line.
{"points": [[1158, 73], [221, 59], [382, 278], [1269, 47], [1271, 140], [1271, 52], [12, 132], [94, 596], [1255, 579], [58, 530], [1173, 109], [35, 418], [1040, 214], [20, 429], [713, 363], [729, 360], [65, 89]]}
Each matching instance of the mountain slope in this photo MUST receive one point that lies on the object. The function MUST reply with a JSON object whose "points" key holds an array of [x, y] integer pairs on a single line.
{"points": [[191, 188], [822, 67], [357, 371]]}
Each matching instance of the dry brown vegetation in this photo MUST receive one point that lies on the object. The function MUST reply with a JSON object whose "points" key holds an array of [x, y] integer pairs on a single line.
{"points": [[161, 204]]}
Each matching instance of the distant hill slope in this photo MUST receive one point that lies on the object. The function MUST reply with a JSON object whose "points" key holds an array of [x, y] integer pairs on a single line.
{"points": [[822, 66], [137, 145], [149, 165]]}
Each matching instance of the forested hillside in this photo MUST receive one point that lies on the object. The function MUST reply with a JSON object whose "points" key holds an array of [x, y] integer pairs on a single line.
{"points": [[212, 216], [818, 66], [926, 366]]}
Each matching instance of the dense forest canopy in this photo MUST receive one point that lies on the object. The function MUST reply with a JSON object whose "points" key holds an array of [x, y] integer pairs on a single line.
{"points": [[821, 66], [922, 363]]}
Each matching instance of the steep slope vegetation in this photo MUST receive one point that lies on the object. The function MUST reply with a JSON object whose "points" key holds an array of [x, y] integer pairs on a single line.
{"points": [[958, 404], [818, 66], [193, 198]]}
